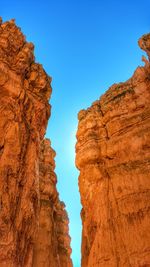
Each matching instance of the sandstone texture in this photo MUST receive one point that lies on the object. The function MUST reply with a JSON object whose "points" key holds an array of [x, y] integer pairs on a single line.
{"points": [[113, 156], [29, 204]]}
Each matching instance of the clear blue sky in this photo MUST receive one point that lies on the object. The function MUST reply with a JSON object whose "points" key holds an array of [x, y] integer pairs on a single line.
{"points": [[85, 45]]}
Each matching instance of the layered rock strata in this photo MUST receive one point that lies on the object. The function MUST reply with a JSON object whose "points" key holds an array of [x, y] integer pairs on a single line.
{"points": [[113, 156], [52, 244], [24, 111]]}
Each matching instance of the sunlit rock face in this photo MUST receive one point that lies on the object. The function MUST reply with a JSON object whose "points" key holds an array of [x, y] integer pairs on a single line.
{"points": [[52, 243], [113, 156], [24, 111]]}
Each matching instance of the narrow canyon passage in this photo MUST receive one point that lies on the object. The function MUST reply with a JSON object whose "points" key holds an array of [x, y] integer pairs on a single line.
{"points": [[112, 156]]}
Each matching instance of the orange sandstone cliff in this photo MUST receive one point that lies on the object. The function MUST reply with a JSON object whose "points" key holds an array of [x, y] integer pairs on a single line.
{"points": [[113, 156], [33, 222]]}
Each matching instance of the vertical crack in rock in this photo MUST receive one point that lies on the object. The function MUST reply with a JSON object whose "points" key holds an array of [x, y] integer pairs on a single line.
{"points": [[24, 112], [113, 156]]}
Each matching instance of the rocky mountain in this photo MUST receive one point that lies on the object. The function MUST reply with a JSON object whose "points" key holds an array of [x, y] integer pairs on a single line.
{"points": [[33, 221], [113, 156]]}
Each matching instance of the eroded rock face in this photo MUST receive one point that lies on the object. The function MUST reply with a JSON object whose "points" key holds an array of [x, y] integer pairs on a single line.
{"points": [[24, 111], [113, 156], [52, 245]]}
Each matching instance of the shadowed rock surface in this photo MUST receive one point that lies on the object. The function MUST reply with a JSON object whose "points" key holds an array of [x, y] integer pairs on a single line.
{"points": [[24, 112], [113, 156], [52, 244]]}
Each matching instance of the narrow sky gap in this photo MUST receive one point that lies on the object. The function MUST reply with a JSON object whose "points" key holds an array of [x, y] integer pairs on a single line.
{"points": [[86, 46]]}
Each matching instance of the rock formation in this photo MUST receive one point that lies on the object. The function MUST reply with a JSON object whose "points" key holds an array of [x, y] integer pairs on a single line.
{"points": [[113, 156], [52, 244], [24, 158]]}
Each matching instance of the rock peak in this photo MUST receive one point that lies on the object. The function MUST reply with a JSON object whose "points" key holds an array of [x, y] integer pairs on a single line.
{"points": [[144, 43]]}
